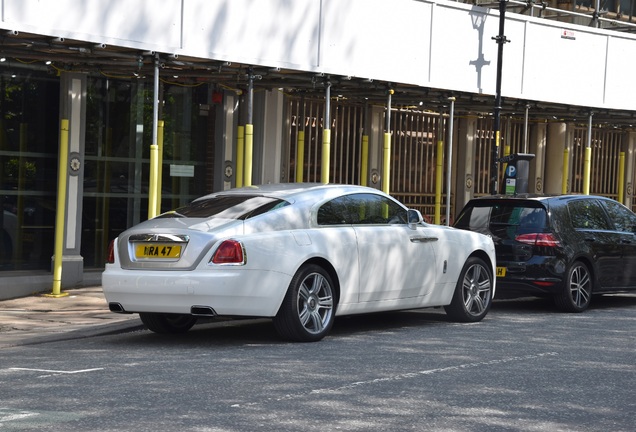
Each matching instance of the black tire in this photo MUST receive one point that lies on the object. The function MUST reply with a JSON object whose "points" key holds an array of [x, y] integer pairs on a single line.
{"points": [[577, 290], [308, 309], [473, 294], [167, 323]]}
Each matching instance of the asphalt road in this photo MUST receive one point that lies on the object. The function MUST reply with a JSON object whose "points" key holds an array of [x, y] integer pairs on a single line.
{"points": [[526, 367]]}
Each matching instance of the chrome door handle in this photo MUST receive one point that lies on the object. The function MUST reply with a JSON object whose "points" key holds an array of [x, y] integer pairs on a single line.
{"points": [[423, 239]]}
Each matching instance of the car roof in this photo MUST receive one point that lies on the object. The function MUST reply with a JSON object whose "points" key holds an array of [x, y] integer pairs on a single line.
{"points": [[538, 197], [290, 191]]}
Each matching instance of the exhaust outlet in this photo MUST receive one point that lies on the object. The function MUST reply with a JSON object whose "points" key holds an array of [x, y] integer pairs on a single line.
{"points": [[117, 308], [202, 311]]}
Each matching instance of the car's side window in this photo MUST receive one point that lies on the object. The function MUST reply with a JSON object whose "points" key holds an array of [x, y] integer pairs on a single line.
{"points": [[361, 209], [376, 209], [623, 219], [335, 212], [587, 214]]}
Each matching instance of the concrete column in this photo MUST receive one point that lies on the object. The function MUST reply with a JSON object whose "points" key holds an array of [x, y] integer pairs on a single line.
{"points": [[556, 143], [375, 127], [465, 151], [226, 120], [630, 160], [537, 146], [272, 137], [73, 108]]}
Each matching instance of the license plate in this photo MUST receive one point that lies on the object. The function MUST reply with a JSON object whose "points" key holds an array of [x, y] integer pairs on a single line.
{"points": [[157, 250], [501, 272]]}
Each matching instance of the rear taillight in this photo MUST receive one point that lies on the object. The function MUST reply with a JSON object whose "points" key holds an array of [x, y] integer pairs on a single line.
{"points": [[229, 252], [538, 239], [110, 255]]}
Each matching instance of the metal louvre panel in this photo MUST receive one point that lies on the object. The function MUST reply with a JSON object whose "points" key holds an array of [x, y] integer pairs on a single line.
{"points": [[606, 147], [511, 141], [414, 139], [346, 139]]}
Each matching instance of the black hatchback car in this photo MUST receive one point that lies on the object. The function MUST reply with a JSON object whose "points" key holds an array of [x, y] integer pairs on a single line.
{"points": [[568, 247]]}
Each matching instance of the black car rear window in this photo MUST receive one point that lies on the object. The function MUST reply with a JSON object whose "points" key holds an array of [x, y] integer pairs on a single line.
{"points": [[511, 217], [238, 207]]}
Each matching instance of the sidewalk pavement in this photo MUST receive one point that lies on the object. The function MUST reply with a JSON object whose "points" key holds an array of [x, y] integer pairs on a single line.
{"points": [[38, 319]]}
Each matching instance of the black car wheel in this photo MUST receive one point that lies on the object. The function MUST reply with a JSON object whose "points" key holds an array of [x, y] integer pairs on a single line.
{"points": [[307, 311], [168, 323], [473, 294], [577, 291]]}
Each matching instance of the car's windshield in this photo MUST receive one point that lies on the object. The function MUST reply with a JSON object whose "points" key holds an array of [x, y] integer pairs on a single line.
{"points": [[238, 207]]}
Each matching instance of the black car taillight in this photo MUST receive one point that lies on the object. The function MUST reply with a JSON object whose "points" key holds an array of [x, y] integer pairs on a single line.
{"points": [[538, 239]]}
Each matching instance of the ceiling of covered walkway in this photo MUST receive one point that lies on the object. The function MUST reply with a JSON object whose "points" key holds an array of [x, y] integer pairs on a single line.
{"points": [[30, 51]]}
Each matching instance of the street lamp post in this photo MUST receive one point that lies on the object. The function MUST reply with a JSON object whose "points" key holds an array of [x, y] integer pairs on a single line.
{"points": [[501, 40]]}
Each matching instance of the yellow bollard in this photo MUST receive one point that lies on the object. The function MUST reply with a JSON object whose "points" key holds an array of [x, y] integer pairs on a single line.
{"points": [[61, 212], [326, 143], [249, 142], [386, 168], [438, 182], [300, 156], [240, 155], [565, 174], [364, 169], [621, 177], [160, 124], [152, 183], [586, 170]]}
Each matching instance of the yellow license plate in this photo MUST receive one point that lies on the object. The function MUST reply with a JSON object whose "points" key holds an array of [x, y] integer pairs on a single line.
{"points": [[157, 250], [501, 272]]}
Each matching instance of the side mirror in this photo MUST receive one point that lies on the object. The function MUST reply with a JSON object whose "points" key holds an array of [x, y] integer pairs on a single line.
{"points": [[414, 218]]}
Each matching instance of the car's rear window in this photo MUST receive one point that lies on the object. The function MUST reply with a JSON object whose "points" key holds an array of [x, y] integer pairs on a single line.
{"points": [[239, 207], [503, 217]]}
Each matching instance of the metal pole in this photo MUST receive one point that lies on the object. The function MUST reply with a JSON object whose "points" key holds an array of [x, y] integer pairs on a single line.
{"points": [[588, 158], [249, 130], [160, 125], [326, 136], [61, 211], [449, 159], [501, 40], [154, 148], [525, 130]]}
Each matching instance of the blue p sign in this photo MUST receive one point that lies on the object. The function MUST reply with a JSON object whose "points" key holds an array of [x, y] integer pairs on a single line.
{"points": [[511, 171]]}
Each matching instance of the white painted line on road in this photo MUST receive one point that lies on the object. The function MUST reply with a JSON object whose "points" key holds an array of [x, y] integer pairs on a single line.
{"points": [[56, 371], [18, 416], [398, 378]]}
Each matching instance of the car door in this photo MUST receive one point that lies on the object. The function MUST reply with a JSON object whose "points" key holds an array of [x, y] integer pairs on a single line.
{"points": [[624, 222], [394, 260], [590, 221]]}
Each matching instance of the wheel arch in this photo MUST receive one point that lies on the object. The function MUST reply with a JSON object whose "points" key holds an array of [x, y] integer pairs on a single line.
{"points": [[484, 256], [333, 274], [589, 263]]}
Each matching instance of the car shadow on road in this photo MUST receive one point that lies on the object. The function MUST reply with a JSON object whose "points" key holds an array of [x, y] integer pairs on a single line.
{"points": [[220, 333], [531, 305]]}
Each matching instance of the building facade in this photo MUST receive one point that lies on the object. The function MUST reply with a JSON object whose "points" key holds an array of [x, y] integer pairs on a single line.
{"points": [[191, 75]]}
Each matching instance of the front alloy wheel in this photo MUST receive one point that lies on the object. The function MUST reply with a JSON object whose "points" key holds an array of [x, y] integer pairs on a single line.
{"points": [[577, 292], [473, 294], [307, 312]]}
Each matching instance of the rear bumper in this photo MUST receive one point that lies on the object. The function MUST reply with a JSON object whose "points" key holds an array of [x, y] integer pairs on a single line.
{"points": [[542, 276], [232, 292]]}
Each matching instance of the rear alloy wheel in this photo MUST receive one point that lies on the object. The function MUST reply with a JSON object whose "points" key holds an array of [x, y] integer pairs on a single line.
{"points": [[473, 294], [307, 311], [168, 323], [577, 292]]}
